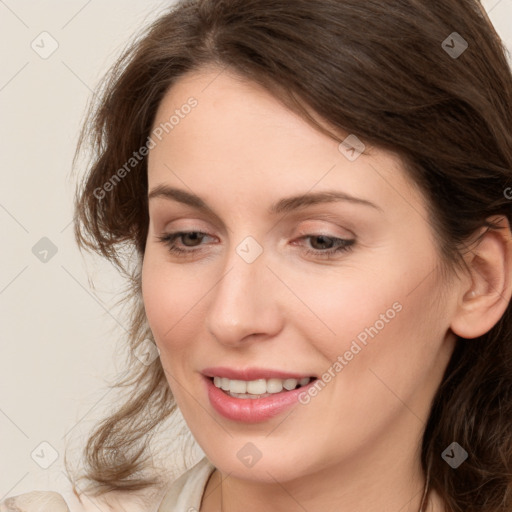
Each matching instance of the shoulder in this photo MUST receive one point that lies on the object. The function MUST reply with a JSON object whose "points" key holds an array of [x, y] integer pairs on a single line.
{"points": [[49, 501], [187, 491], [36, 501], [185, 494]]}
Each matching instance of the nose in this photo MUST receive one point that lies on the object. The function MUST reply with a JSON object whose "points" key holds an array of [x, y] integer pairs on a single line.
{"points": [[244, 306]]}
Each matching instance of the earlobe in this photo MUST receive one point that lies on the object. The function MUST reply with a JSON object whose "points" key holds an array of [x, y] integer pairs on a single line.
{"points": [[487, 298], [471, 294]]}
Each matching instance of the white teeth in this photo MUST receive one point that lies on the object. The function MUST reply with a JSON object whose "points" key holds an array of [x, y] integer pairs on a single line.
{"points": [[290, 384], [274, 385], [256, 388], [238, 386]]}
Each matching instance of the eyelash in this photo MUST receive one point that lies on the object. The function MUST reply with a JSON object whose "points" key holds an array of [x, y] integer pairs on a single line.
{"points": [[341, 245]]}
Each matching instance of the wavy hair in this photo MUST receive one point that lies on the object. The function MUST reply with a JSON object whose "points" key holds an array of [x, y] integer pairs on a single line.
{"points": [[380, 69]]}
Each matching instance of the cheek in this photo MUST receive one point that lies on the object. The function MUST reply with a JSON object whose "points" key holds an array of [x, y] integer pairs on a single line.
{"points": [[340, 307], [389, 347], [377, 315], [170, 298]]}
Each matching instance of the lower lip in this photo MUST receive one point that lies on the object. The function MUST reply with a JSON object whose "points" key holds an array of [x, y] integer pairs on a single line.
{"points": [[252, 410]]}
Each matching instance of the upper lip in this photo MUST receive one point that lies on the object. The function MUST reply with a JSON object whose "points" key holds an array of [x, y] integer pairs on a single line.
{"points": [[251, 373]]}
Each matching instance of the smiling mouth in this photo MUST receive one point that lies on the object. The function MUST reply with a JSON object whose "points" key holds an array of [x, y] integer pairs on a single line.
{"points": [[259, 388]]}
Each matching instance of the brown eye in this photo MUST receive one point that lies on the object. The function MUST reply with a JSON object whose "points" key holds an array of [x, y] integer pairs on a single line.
{"points": [[193, 236], [189, 240], [327, 246], [324, 242]]}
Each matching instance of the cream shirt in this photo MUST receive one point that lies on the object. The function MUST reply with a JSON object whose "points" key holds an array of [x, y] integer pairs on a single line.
{"points": [[186, 492], [183, 495]]}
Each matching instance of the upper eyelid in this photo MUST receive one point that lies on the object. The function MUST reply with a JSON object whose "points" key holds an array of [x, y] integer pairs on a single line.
{"points": [[296, 218], [177, 234], [299, 230], [163, 217]]}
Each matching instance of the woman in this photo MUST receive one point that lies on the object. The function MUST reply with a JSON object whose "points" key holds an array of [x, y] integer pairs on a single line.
{"points": [[317, 194]]}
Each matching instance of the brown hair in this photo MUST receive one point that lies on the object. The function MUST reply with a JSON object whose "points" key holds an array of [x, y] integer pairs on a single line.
{"points": [[377, 69]]}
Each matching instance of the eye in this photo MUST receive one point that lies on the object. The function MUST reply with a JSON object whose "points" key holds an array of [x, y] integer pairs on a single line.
{"points": [[323, 246], [190, 239], [334, 245]]}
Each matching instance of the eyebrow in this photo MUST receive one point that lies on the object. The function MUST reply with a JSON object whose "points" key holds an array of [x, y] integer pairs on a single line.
{"points": [[284, 205]]}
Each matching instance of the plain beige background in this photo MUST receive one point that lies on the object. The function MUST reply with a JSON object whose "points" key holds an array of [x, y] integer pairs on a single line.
{"points": [[60, 337]]}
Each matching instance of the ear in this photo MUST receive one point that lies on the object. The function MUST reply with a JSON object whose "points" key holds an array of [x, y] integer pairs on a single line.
{"points": [[484, 301]]}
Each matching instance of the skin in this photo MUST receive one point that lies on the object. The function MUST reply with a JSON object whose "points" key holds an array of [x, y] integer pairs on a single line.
{"points": [[355, 446]]}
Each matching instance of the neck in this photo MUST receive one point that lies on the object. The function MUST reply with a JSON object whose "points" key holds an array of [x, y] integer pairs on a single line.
{"points": [[334, 489]]}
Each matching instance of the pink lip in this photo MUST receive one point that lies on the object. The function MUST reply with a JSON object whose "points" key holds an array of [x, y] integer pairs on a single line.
{"points": [[252, 410], [251, 373]]}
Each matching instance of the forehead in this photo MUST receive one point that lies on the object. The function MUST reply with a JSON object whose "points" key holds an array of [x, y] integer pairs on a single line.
{"points": [[240, 136]]}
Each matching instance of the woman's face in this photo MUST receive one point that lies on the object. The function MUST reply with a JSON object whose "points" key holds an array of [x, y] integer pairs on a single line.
{"points": [[258, 294]]}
